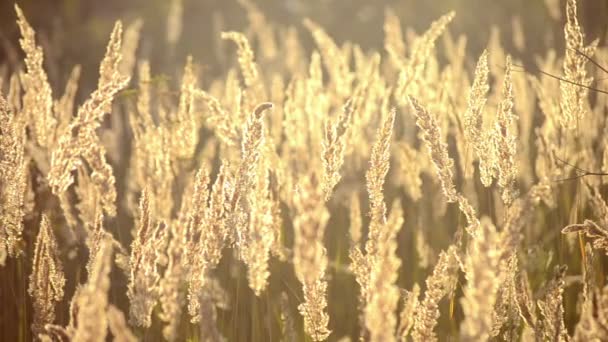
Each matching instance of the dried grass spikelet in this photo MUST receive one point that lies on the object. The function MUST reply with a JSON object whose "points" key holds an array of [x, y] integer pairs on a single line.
{"points": [[95, 236], [210, 226], [310, 257], [91, 301], [438, 150], [259, 236], [333, 149], [573, 101], [335, 61], [109, 68], [437, 286], [588, 327], [481, 270], [47, 279], [504, 140], [13, 181], [474, 136], [79, 142], [184, 123], [249, 69], [172, 296], [380, 310], [252, 140], [378, 168], [38, 100], [225, 126], [129, 47], [147, 252], [419, 55], [506, 316], [410, 301], [551, 324]]}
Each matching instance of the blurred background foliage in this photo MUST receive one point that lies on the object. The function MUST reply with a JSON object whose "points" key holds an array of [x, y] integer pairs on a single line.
{"points": [[76, 31]]}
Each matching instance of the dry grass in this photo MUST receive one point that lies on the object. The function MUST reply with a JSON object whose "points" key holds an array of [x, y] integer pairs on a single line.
{"points": [[255, 205]]}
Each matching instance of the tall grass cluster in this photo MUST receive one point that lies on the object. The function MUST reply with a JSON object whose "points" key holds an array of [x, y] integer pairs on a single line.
{"points": [[415, 193]]}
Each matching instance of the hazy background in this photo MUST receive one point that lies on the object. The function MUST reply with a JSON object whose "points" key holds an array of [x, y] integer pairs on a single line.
{"points": [[76, 31]]}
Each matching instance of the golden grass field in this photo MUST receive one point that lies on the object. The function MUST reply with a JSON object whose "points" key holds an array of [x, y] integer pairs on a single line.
{"points": [[414, 193]]}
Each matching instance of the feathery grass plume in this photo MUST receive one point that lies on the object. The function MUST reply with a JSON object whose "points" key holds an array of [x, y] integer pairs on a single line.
{"points": [[174, 21], [380, 318], [504, 140], [79, 142], [419, 55], [147, 251], [95, 235], [551, 323], [259, 236], [438, 150], [370, 268], [573, 101], [13, 182], [91, 301], [393, 39], [335, 61], [129, 48], [225, 126], [378, 168], [333, 149], [473, 117], [118, 325], [38, 100], [410, 304], [251, 143], [213, 233], [506, 316], [589, 326], [196, 221], [310, 257], [184, 123], [481, 267], [171, 293], [47, 279], [249, 69], [109, 68], [437, 286]]}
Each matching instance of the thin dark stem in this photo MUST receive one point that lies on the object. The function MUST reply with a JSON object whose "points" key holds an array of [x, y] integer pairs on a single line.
{"points": [[591, 60], [563, 80]]}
